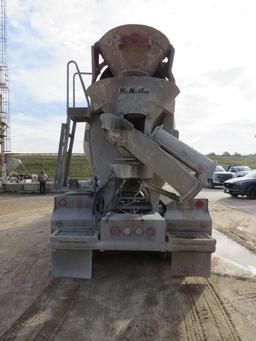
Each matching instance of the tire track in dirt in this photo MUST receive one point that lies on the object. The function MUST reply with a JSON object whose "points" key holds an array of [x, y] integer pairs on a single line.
{"points": [[31, 311], [51, 327], [246, 298], [204, 312], [242, 303], [237, 238], [45, 316], [220, 313], [193, 326]]}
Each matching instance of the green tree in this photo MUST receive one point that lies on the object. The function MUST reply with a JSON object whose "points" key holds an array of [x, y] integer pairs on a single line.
{"points": [[226, 154]]}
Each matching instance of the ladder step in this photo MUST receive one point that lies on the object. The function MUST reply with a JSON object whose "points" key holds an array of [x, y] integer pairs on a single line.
{"points": [[80, 114], [74, 235]]}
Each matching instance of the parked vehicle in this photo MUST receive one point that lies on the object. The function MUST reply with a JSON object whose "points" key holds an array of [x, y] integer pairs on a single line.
{"points": [[239, 170], [245, 185], [219, 177]]}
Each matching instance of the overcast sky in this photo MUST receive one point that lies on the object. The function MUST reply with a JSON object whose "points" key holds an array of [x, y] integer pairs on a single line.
{"points": [[214, 65]]}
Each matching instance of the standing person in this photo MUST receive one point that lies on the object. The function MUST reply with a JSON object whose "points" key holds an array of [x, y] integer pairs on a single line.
{"points": [[42, 178]]}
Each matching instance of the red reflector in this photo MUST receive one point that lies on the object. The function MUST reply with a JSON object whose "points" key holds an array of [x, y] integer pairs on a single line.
{"points": [[62, 203], [125, 39], [115, 230], [150, 231], [134, 39], [199, 204]]}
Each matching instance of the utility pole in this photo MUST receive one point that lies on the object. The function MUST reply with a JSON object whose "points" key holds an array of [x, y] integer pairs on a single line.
{"points": [[4, 94]]}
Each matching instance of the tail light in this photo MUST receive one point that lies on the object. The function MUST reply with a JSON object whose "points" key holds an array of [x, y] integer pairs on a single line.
{"points": [[199, 204], [115, 230], [139, 231], [127, 231], [150, 231]]}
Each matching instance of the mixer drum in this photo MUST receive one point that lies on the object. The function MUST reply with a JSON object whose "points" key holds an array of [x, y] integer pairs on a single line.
{"points": [[134, 50]]}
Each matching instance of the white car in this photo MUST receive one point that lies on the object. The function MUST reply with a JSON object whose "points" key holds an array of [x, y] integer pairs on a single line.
{"points": [[239, 171], [219, 177]]}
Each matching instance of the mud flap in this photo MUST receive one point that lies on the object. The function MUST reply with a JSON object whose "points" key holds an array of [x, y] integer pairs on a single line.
{"points": [[191, 264], [71, 256], [191, 253], [72, 263]]}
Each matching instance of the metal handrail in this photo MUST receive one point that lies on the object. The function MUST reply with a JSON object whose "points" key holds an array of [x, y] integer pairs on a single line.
{"points": [[79, 73], [74, 87]]}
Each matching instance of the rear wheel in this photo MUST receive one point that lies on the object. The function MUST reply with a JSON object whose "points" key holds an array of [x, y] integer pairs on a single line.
{"points": [[251, 192], [234, 195]]}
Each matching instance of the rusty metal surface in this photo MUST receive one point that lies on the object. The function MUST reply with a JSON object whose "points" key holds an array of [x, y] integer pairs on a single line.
{"points": [[199, 163], [130, 140], [134, 50], [156, 159], [133, 94]]}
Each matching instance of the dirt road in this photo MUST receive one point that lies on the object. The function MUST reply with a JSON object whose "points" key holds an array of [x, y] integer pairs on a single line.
{"points": [[234, 217], [131, 295]]}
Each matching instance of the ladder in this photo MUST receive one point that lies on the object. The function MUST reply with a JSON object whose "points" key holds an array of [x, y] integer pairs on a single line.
{"points": [[68, 129]]}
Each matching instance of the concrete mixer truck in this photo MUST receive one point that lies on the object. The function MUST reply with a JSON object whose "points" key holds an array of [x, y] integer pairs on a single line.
{"points": [[134, 152]]}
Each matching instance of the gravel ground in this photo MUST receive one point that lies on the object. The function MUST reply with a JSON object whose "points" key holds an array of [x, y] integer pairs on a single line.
{"points": [[131, 296]]}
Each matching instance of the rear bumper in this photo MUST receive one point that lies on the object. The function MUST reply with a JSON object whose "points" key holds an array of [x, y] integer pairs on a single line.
{"points": [[71, 251], [219, 182], [175, 242], [230, 190]]}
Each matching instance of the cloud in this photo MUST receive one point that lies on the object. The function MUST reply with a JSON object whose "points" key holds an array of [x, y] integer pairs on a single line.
{"points": [[37, 135], [234, 137], [225, 77], [214, 63]]}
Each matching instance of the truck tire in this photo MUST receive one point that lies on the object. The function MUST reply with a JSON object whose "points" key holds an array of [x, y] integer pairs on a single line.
{"points": [[251, 192]]}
